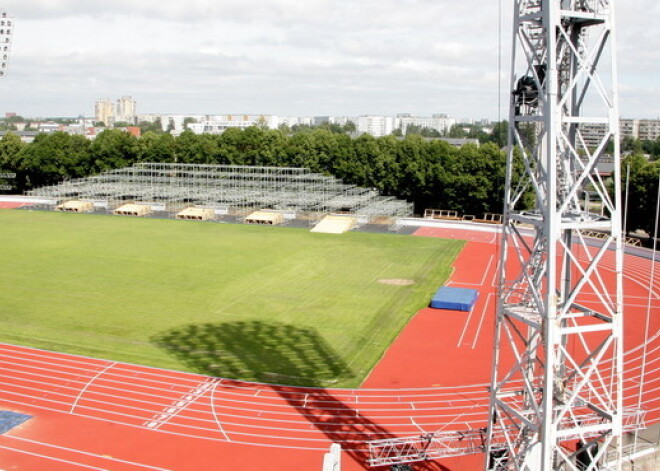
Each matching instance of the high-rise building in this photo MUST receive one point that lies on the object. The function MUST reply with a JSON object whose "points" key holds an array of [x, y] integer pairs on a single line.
{"points": [[104, 111], [126, 110]]}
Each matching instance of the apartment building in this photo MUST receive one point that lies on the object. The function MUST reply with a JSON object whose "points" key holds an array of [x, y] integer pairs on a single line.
{"points": [[644, 129], [377, 126], [124, 110], [439, 122], [104, 110]]}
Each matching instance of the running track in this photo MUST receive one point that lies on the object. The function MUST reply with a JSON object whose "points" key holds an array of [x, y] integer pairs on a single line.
{"points": [[92, 414]]}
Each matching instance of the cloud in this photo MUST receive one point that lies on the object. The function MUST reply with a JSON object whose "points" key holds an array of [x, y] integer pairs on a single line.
{"points": [[284, 56]]}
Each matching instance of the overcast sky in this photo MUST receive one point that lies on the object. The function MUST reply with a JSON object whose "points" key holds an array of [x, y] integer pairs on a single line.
{"points": [[287, 57]]}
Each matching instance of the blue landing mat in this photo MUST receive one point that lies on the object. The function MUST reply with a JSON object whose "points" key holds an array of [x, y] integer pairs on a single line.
{"points": [[9, 420], [456, 299]]}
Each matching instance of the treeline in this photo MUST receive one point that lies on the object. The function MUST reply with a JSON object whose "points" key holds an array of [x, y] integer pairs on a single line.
{"points": [[642, 194], [431, 174], [641, 146]]}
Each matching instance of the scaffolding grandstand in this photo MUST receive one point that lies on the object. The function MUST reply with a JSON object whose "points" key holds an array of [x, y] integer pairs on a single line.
{"points": [[234, 188]]}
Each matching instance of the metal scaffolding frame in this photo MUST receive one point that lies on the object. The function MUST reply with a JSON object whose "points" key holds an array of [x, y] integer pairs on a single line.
{"points": [[451, 443], [236, 188], [557, 375]]}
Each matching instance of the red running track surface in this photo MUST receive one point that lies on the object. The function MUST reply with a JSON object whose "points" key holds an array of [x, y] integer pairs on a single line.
{"points": [[98, 414], [12, 205]]}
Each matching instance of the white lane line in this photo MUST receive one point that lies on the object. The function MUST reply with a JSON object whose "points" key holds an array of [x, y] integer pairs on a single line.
{"points": [[496, 272], [483, 278], [215, 414], [465, 327], [481, 321], [51, 458], [85, 453], [89, 383]]}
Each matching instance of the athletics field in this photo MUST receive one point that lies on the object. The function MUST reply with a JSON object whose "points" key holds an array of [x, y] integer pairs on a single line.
{"points": [[270, 304]]}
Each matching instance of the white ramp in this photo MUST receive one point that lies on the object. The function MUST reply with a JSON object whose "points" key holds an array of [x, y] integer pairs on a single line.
{"points": [[335, 224]]}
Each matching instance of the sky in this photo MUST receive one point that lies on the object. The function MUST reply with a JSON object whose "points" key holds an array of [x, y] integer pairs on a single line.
{"points": [[290, 57]]}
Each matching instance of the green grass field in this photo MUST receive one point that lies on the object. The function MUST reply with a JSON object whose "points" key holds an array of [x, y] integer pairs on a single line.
{"points": [[257, 303]]}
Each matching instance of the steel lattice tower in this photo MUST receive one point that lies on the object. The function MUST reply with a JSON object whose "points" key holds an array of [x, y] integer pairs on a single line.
{"points": [[557, 389]]}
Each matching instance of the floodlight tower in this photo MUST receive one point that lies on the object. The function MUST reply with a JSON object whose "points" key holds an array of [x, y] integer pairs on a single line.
{"points": [[557, 384], [6, 33]]}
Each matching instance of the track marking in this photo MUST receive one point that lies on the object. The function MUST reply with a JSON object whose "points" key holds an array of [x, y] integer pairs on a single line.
{"points": [[51, 458], [496, 272], [215, 414], [180, 404], [89, 383], [481, 321], [465, 327], [483, 278], [85, 453]]}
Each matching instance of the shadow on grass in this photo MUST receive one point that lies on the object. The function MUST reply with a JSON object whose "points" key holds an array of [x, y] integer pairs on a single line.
{"points": [[282, 354], [256, 351]]}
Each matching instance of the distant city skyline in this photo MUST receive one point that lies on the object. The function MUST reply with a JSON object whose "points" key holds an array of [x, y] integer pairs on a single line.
{"points": [[288, 57]]}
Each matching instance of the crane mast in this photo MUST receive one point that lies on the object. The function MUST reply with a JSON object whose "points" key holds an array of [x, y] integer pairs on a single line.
{"points": [[557, 375]]}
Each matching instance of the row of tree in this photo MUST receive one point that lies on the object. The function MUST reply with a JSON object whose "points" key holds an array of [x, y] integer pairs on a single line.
{"points": [[640, 192], [430, 173]]}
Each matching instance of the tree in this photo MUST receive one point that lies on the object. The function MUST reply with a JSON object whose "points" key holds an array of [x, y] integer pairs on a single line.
{"points": [[456, 132], [500, 134], [152, 147], [413, 129], [112, 149], [15, 119], [430, 132], [155, 127], [298, 128], [187, 121], [630, 144], [350, 127], [642, 192], [413, 167], [652, 148], [192, 148], [359, 166], [285, 129], [10, 148], [52, 158], [314, 150]]}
